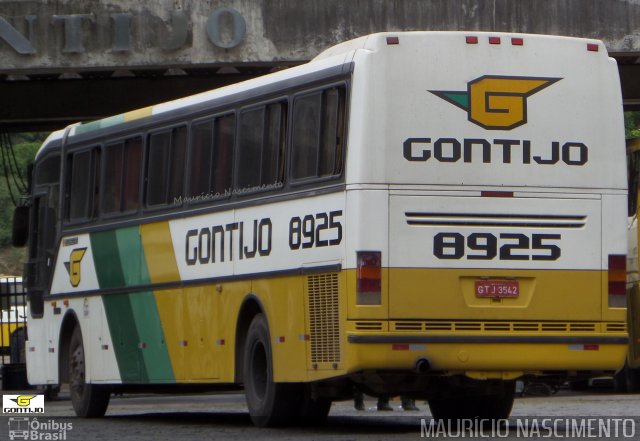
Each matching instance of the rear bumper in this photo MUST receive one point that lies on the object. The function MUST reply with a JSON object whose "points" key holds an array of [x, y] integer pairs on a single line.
{"points": [[482, 356]]}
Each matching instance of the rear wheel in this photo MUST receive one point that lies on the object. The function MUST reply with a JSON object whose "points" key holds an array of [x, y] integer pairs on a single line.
{"points": [[269, 403], [89, 400], [457, 401]]}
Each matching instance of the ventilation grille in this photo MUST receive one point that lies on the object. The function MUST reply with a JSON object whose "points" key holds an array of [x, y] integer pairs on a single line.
{"points": [[503, 326], [324, 318], [617, 327], [369, 326]]}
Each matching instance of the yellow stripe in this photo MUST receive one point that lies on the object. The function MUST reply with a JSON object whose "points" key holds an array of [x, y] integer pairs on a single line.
{"points": [[137, 114], [158, 251]]}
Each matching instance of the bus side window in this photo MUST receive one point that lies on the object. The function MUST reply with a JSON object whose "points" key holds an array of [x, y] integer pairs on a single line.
{"points": [[165, 166], [318, 134], [122, 175], [84, 178], [261, 142], [211, 155]]}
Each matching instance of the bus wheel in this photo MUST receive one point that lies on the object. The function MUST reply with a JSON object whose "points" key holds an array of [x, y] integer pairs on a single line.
{"points": [[313, 410], [269, 403], [89, 400], [457, 402]]}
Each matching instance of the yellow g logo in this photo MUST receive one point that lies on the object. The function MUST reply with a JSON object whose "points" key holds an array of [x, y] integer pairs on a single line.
{"points": [[23, 400], [73, 266], [496, 102]]}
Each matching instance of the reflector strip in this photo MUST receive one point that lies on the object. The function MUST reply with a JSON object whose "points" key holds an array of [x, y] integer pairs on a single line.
{"points": [[496, 194]]}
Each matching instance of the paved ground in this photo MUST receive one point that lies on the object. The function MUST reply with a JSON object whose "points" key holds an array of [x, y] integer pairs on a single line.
{"points": [[224, 417]]}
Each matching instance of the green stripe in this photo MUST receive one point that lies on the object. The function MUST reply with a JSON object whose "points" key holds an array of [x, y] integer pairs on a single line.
{"points": [[99, 124], [149, 328], [134, 321], [134, 265], [125, 338], [107, 259]]}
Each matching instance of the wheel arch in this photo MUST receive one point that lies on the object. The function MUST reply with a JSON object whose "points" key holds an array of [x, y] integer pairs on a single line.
{"points": [[69, 322], [251, 306]]}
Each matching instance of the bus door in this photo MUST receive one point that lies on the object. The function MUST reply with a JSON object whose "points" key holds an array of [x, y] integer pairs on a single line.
{"points": [[41, 248]]}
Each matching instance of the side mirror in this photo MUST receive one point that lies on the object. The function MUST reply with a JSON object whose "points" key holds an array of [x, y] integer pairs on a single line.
{"points": [[20, 231]]}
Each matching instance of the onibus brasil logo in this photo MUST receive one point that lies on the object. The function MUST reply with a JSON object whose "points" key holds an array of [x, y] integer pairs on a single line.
{"points": [[496, 102]]}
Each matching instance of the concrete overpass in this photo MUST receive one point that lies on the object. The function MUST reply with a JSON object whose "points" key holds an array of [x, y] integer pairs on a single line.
{"points": [[72, 60]]}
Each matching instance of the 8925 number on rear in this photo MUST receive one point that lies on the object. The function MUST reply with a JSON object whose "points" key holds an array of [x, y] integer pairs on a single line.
{"points": [[488, 246]]}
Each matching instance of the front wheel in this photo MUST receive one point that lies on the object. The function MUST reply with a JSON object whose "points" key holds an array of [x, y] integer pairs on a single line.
{"points": [[269, 403], [89, 400]]}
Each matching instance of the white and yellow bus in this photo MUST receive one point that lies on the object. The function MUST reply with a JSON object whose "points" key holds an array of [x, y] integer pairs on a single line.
{"points": [[422, 213]]}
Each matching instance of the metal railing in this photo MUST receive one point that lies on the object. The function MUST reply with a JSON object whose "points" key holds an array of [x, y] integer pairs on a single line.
{"points": [[13, 320]]}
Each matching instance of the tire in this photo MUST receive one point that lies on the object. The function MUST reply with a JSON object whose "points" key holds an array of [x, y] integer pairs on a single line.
{"points": [[458, 402], [270, 404], [89, 400]]}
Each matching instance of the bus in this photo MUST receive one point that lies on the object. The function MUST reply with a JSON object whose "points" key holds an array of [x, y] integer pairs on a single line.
{"points": [[427, 214], [628, 378]]}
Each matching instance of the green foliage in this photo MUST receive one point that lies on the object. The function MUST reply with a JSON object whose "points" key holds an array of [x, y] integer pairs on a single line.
{"points": [[25, 146], [632, 125]]}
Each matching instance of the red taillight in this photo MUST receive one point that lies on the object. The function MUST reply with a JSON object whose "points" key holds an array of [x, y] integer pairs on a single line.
{"points": [[496, 194], [368, 277], [592, 47], [494, 40], [517, 41], [472, 39], [617, 281], [393, 40]]}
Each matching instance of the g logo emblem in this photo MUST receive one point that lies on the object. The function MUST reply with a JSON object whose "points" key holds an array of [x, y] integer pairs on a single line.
{"points": [[496, 102], [73, 265]]}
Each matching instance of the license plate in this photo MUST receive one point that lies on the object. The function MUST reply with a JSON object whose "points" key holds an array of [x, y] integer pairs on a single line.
{"points": [[497, 288]]}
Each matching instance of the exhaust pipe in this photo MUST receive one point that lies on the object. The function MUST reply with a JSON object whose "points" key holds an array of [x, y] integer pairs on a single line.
{"points": [[422, 365]]}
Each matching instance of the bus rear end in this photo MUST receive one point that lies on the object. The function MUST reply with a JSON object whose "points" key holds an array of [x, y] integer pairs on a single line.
{"points": [[486, 176]]}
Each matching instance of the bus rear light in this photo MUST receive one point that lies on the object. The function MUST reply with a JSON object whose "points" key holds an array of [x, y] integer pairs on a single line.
{"points": [[517, 41], [472, 39], [496, 194], [369, 278], [393, 40], [592, 47], [494, 40], [617, 281]]}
